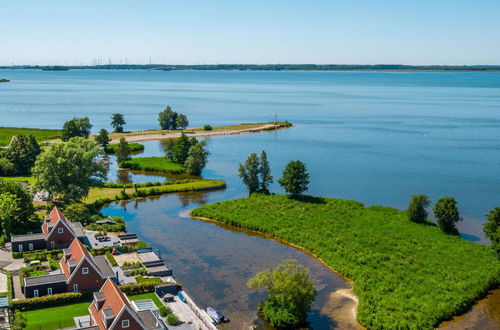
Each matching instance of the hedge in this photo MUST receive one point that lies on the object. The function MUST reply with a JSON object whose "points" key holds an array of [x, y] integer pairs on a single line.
{"points": [[131, 289], [52, 300], [111, 259]]}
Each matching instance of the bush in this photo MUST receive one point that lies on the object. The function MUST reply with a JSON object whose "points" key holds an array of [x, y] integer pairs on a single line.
{"points": [[53, 264], [172, 319], [111, 259], [19, 322], [131, 289], [135, 272], [150, 280], [207, 128], [53, 300], [165, 311], [31, 271], [131, 265]]}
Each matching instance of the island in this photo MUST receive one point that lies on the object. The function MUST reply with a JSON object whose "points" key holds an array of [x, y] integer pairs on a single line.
{"points": [[4, 80]]}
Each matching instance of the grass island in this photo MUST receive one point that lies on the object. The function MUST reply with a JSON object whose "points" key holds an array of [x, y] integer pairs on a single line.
{"points": [[406, 275]]}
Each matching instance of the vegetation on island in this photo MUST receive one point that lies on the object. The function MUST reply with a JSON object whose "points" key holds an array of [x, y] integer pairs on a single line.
{"points": [[446, 214], [6, 134], [417, 208], [76, 127], [290, 294], [153, 164], [102, 139], [492, 229], [407, 275], [171, 120], [4, 80], [295, 179], [118, 121], [255, 173]]}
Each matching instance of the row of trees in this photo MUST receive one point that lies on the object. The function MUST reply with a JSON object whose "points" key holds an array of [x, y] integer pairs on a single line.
{"points": [[189, 152], [445, 212], [256, 175], [171, 120]]}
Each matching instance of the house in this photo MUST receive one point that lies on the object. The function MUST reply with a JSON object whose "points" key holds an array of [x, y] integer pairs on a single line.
{"points": [[111, 309], [80, 272], [57, 233]]}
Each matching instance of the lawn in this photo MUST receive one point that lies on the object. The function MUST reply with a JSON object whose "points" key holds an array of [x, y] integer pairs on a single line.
{"points": [[111, 194], [55, 317], [153, 164], [27, 179], [6, 134], [150, 295], [406, 275]]}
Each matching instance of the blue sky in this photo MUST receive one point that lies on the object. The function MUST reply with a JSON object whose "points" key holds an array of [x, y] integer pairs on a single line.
{"points": [[215, 31]]}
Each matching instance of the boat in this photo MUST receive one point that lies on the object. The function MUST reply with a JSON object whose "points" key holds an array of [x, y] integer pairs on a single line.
{"points": [[181, 297], [216, 316]]}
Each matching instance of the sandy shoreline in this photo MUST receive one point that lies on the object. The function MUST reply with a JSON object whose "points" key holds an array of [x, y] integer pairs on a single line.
{"points": [[149, 137]]}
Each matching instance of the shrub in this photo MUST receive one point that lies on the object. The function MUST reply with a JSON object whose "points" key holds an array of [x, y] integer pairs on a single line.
{"points": [[165, 311], [19, 322], [172, 319], [150, 280], [53, 300], [53, 264], [207, 128], [131, 289], [111, 259]]}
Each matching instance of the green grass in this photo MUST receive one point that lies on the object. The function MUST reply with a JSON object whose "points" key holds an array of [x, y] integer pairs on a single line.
{"points": [[153, 164], [406, 275], [133, 148], [153, 280], [149, 295], [55, 317], [27, 179], [6, 134], [37, 273]]}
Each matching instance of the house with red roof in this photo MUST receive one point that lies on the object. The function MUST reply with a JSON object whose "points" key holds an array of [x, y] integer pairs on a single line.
{"points": [[57, 233], [80, 272], [111, 309]]}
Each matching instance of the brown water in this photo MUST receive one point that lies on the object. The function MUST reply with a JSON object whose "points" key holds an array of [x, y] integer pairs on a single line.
{"points": [[214, 262]]}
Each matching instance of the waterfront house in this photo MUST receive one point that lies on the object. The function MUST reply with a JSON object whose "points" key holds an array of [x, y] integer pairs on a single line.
{"points": [[80, 272], [111, 309], [57, 233]]}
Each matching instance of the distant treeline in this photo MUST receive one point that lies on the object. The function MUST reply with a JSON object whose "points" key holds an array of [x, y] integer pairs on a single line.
{"points": [[268, 67]]}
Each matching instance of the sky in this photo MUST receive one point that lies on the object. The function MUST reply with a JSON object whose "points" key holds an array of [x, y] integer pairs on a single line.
{"points": [[421, 32]]}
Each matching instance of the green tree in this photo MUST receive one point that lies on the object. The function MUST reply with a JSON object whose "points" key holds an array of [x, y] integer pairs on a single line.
{"points": [[123, 151], [168, 118], [295, 179], [492, 228], [68, 170], [290, 294], [76, 127], [249, 173], [7, 167], [102, 138], [78, 212], [417, 208], [181, 122], [446, 214], [178, 149], [197, 158], [22, 153], [16, 205], [265, 174], [118, 121]]}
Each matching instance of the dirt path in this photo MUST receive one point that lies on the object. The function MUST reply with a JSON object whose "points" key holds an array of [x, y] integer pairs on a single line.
{"points": [[148, 137]]}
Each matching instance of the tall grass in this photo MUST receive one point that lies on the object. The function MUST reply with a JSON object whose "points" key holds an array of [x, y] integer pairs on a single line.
{"points": [[153, 164], [406, 275]]}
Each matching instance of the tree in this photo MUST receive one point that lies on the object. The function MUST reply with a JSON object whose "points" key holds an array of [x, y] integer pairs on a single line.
{"points": [[178, 149], [16, 208], [167, 118], [197, 158], [295, 179], [76, 127], [446, 214], [265, 174], [22, 153], [417, 208], [68, 170], [181, 122], [249, 173], [123, 151], [492, 228], [78, 212], [102, 138], [290, 294], [118, 121], [7, 167]]}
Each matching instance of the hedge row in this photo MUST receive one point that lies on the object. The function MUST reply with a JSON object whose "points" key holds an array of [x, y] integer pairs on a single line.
{"points": [[131, 289], [52, 300], [35, 255]]}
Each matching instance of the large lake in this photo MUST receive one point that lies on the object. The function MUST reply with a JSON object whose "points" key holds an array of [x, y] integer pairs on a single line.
{"points": [[376, 137]]}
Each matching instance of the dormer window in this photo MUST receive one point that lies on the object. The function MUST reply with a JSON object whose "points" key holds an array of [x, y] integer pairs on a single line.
{"points": [[125, 323], [85, 270], [60, 230]]}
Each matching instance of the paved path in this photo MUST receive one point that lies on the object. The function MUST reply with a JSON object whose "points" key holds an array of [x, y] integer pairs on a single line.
{"points": [[190, 312], [3, 282], [16, 285]]}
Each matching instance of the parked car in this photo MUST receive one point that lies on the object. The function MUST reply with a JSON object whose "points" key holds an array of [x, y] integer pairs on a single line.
{"points": [[33, 263]]}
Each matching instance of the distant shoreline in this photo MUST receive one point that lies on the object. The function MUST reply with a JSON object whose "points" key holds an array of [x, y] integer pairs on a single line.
{"points": [[269, 67]]}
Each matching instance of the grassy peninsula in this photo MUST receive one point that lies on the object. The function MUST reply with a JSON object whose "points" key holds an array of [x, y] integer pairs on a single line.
{"points": [[406, 275], [6, 134], [153, 164]]}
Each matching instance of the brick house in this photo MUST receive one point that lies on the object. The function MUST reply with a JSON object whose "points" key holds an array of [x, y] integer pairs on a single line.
{"points": [[57, 233], [80, 272], [111, 309]]}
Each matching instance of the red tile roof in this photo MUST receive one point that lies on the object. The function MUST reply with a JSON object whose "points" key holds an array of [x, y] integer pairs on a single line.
{"points": [[52, 219]]}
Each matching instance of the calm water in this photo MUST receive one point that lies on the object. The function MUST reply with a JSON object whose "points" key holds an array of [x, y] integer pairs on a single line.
{"points": [[369, 136]]}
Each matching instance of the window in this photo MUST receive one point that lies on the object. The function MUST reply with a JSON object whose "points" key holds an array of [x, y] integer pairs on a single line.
{"points": [[49, 291], [125, 323], [75, 287], [52, 245], [20, 248], [60, 230], [85, 270], [31, 246], [35, 294]]}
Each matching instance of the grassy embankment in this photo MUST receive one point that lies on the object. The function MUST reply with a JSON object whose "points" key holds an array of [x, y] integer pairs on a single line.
{"points": [[6, 134], [132, 147], [406, 275], [62, 316], [153, 164]]}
